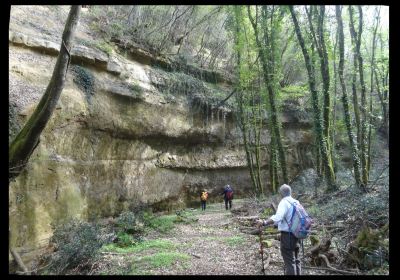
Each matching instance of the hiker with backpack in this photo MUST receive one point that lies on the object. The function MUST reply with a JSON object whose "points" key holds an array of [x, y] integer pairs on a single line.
{"points": [[203, 199], [228, 196], [294, 224]]}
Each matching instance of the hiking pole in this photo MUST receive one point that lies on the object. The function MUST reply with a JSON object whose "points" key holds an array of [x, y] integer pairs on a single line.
{"points": [[261, 248]]}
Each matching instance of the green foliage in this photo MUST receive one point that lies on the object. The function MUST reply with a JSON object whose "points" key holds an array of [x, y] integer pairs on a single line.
{"points": [[129, 222], [162, 224], [268, 212], [294, 91], [77, 243], [135, 247], [367, 250], [312, 210], [105, 47], [124, 240]]}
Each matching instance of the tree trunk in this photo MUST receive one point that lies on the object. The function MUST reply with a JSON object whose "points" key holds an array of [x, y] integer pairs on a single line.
{"points": [[356, 105], [239, 100], [372, 89], [27, 139], [327, 164], [363, 134], [333, 154], [353, 145], [267, 72], [325, 78]]}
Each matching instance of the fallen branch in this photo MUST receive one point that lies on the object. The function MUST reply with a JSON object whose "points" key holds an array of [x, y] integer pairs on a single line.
{"points": [[195, 255], [248, 218], [322, 256], [19, 261], [330, 269]]}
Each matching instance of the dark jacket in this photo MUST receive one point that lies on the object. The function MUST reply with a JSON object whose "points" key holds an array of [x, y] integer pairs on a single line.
{"points": [[226, 190]]}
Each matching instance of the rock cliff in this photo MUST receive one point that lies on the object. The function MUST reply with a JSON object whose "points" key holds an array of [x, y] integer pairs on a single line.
{"points": [[129, 129]]}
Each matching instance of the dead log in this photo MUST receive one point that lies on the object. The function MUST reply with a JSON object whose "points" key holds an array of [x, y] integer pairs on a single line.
{"points": [[18, 259], [247, 218], [252, 232]]}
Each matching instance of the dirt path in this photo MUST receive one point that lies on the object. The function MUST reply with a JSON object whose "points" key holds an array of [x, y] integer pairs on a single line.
{"points": [[221, 248], [213, 245]]}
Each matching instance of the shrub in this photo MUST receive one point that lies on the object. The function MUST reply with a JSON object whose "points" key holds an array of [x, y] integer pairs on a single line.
{"points": [[77, 244], [124, 240], [128, 222]]}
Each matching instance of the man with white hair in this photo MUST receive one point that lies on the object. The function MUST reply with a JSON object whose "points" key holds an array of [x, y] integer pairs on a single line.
{"points": [[290, 245]]}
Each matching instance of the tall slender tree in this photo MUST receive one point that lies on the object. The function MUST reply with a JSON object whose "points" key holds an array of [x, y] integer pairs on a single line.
{"points": [[21, 148], [364, 121], [353, 145], [267, 54], [322, 141], [375, 29], [240, 100]]}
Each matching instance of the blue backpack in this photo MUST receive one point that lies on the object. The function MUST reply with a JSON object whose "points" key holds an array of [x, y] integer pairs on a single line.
{"points": [[300, 222]]}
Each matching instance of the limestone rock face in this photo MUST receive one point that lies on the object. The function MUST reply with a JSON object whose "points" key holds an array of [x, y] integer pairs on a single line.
{"points": [[118, 138]]}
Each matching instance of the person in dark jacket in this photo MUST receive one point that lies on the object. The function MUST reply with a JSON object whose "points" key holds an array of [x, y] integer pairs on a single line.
{"points": [[228, 196]]}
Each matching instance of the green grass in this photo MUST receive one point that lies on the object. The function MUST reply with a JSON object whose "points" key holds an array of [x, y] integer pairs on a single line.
{"points": [[234, 240], [142, 265], [162, 223], [164, 259], [142, 246]]}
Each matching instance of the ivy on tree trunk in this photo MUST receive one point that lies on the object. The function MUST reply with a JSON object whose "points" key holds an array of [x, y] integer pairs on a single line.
{"points": [[321, 140], [21, 148]]}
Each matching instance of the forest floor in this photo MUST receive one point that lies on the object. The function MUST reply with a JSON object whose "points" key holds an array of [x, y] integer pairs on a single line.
{"points": [[221, 242], [213, 245]]}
